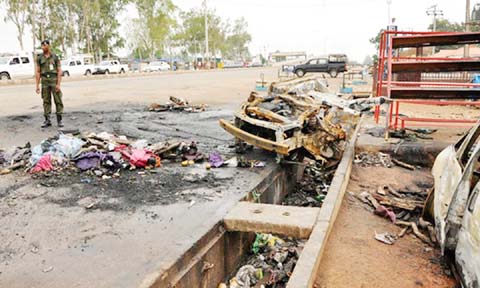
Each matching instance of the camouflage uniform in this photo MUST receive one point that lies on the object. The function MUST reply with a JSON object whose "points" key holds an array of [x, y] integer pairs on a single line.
{"points": [[48, 71]]}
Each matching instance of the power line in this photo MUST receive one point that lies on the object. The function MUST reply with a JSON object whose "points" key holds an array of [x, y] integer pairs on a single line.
{"points": [[434, 11]]}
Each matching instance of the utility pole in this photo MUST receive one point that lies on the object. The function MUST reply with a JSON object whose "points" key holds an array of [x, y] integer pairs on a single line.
{"points": [[33, 37], [434, 11], [207, 53], [466, 49], [389, 3]]}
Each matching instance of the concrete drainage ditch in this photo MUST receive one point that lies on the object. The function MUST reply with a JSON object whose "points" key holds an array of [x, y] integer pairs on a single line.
{"points": [[218, 254]]}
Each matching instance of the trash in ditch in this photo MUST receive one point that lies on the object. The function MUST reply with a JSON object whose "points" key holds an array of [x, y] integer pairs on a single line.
{"points": [[270, 263], [177, 104], [386, 238], [313, 188]]}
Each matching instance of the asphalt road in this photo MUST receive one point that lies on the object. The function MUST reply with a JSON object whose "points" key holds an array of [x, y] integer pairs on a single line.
{"points": [[206, 87]]}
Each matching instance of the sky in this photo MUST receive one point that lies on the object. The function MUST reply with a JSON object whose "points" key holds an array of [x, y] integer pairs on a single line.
{"points": [[318, 27]]}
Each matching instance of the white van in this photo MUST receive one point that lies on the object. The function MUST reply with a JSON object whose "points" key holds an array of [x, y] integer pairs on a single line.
{"points": [[16, 67], [78, 65]]}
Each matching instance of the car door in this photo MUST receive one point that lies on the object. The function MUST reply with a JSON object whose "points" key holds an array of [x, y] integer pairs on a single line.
{"points": [[14, 67], [115, 67], [467, 252], [26, 67], [79, 68], [311, 65], [322, 65], [72, 68]]}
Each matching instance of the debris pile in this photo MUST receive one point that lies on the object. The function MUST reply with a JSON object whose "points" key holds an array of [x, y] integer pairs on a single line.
{"points": [[13, 159], [104, 154], [402, 207], [366, 159], [177, 104], [270, 263], [313, 188]]}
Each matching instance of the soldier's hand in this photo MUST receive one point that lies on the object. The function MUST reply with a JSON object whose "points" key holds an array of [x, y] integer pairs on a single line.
{"points": [[37, 90], [57, 88]]}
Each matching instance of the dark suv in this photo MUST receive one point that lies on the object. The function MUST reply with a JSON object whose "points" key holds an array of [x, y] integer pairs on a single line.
{"points": [[332, 65]]}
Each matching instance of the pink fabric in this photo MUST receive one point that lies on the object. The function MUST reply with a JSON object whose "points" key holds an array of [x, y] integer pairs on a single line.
{"points": [[44, 164], [136, 157], [382, 211]]}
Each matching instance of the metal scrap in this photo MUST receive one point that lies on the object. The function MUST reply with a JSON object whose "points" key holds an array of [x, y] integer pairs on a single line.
{"points": [[177, 104]]}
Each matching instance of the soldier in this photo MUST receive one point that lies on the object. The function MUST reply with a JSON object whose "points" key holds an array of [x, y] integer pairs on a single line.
{"points": [[50, 71]]}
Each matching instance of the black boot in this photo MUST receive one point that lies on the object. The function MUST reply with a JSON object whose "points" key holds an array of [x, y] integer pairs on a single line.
{"points": [[47, 122], [59, 121]]}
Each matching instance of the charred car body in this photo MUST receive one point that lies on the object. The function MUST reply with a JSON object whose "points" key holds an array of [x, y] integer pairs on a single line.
{"points": [[455, 206]]}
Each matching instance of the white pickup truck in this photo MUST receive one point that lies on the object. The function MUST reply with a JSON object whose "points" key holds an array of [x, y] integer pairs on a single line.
{"points": [[110, 66], [77, 66], [15, 67]]}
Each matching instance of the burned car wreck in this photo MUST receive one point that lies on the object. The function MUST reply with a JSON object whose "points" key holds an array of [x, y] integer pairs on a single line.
{"points": [[454, 205], [298, 116]]}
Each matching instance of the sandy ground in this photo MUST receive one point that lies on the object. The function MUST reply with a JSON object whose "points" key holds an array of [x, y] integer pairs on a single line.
{"points": [[214, 87], [353, 258]]}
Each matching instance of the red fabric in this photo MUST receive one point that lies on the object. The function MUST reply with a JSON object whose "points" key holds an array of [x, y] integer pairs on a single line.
{"points": [[44, 164]]}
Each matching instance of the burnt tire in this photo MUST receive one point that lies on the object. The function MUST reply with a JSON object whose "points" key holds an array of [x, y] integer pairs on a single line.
{"points": [[107, 72], [333, 73], [122, 71], [88, 73], [300, 72]]}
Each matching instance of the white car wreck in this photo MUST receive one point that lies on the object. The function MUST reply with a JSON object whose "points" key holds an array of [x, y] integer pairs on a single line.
{"points": [[455, 205]]}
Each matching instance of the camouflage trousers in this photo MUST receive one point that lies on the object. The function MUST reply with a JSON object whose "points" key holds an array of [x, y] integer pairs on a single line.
{"points": [[48, 91]]}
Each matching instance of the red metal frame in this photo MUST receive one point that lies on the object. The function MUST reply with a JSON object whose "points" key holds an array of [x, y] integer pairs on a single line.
{"points": [[385, 83]]}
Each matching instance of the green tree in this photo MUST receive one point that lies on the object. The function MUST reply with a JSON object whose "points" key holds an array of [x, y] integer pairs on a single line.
{"points": [[192, 32], [154, 24], [18, 13], [446, 26], [237, 40]]}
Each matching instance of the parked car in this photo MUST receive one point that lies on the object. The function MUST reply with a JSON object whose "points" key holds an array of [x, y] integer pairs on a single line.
{"points": [[110, 66], [455, 206], [76, 66], [231, 64], [332, 65], [157, 66], [17, 66]]}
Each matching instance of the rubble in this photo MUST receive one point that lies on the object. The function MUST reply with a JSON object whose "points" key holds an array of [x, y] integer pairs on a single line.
{"points": [[177, 104], [270, 263], [403, 207]]}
